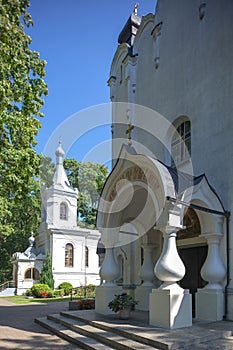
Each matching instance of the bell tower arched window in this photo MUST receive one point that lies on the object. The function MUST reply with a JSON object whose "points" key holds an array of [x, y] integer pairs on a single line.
{"points": [[63, 211], [69, 255], [181, 143]]}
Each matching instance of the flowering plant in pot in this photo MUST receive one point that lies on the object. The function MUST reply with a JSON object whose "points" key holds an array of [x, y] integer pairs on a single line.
{"points": [[122, 303]]}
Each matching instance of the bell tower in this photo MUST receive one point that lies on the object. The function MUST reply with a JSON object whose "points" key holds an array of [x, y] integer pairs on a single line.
{"points": [[59, 201]]}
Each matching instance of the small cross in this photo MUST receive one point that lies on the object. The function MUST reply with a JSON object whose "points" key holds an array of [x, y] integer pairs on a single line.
{"points": [[136, 8], [128, 132]]}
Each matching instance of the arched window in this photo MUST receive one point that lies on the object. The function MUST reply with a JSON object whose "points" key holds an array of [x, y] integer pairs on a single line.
{"points": [[69, 255], [181, 143], [32, 274], [63, 211], [192, 225], [86, 256]]}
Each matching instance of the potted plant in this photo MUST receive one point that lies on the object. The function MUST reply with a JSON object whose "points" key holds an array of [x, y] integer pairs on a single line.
{"points": [[122, 303]]}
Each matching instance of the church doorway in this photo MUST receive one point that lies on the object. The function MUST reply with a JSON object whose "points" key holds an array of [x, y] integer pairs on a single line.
{"points": [[192, 254], [193, 259]]}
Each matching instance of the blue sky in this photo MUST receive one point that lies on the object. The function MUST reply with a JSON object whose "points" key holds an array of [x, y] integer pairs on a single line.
{"points": [[78, 40]]}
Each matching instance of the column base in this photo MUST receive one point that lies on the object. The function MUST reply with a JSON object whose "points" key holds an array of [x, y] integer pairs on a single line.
{"points": [[170, 308], [104, 294], [142, 295], [210, 304]]}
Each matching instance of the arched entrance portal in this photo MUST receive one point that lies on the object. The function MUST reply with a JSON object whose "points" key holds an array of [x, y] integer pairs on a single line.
{"points": [[135, 213]]}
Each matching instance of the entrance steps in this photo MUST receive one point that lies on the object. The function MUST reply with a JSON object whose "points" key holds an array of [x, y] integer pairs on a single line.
{"points": [[89, 330], [88, 336]]}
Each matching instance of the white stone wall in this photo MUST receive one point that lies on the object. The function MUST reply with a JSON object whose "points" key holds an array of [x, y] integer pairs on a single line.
{"points": [[193, 79], [22, 283], [79, 274]]}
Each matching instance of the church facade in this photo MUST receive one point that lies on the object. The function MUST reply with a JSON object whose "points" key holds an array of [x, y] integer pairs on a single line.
{"points": [[72, 249], [165, 210]]}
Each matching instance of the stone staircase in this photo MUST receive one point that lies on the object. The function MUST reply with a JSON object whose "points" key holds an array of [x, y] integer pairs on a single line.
{"points": [[93, 334]]}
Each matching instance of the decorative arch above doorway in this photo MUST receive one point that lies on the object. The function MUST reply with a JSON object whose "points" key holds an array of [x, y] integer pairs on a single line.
{"points": [[140, 188]]}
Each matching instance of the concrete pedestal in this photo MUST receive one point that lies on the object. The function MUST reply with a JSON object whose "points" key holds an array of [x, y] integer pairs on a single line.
{"points": [[210, 304], [142, 295], [104, 294], [170, 308]]}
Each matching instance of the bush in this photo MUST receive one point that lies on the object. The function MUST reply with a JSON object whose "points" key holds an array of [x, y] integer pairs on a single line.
{"points": [[86, 304], [67, 287], [85, 291], [44, 294], [58, 293], [46, 275], [29, 292], [39, 288]]}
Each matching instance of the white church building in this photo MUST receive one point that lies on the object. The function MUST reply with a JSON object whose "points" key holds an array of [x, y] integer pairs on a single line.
{"points": [[72, 249], [165, 210]]}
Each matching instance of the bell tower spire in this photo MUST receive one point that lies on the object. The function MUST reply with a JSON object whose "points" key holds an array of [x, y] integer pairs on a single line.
{"points": [[60, 178], [60, 154]]}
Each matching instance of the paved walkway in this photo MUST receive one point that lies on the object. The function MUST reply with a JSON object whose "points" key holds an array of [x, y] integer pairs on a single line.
{"points": [[18, 330]]}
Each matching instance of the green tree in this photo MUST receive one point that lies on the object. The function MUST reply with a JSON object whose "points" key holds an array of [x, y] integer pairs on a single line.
{"points": [[24, 218], [47, 170], [22, 89], [89, 179], [46, 275]]}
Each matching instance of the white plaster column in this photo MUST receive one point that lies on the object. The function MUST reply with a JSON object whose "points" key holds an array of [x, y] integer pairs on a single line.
{"points": [[147, 269], [109, 271], [210, 299], [169, 267], [146, 273], [170, 305], [213, 271]]}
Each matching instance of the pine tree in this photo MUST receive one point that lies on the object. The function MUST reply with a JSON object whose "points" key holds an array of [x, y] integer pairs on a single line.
{"points": [[46, 275]]}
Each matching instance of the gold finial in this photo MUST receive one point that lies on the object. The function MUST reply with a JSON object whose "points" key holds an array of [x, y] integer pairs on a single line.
{"points": [[128, 132], [135, 11]]}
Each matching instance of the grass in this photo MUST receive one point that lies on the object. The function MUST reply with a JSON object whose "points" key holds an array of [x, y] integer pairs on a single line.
{"points": [[21, 299]]}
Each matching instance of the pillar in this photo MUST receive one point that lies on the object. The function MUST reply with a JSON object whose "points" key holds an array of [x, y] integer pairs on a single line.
{"points": [[170, 305], [109, 272], [147, 275], [210, 299]]}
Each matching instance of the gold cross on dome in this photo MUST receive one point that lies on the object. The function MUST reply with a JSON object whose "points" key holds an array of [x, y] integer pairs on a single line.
{"points": [[136, 8], [128, 132]]}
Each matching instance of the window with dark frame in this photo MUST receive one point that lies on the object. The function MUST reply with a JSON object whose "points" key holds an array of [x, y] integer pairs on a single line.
{"points": [[32, 274], [181, 143], [69, 255]]}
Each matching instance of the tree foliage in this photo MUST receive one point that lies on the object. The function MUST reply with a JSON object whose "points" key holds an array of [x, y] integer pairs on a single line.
{"points": [[47, 170], [88, 178], [22, 89], [21, 97], [24, 218], [46, 275]]}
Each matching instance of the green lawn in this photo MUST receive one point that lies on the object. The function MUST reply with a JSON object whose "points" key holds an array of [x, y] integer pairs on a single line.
{"points": [[21, 299]]}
